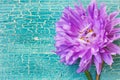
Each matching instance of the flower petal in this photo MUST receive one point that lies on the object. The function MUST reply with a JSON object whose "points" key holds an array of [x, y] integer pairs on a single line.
{"points": [[85, 62], [72, 17], [113, 48], [113, 15], [98, 57], [103, 12], [115, 22], [107, 58], [76, 55], [115, 30], [98, 66], [112, 23], [114, 34], [68, 56], [79, 10], [85, 66], [92, 10]]}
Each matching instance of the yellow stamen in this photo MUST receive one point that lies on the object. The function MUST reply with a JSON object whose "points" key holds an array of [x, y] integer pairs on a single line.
{"points": [[90, 30], [82, 38]]}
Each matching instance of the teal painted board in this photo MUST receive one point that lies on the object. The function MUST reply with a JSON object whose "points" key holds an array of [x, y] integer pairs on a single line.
{"points": [[27, 30], [47, 67]]}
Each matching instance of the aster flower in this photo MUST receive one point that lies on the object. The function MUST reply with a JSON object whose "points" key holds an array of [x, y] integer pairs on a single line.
{"points": [[88, 35]]}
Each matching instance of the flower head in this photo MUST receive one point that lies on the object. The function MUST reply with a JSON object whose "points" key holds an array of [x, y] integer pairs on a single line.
{"points": [[88, 35]]}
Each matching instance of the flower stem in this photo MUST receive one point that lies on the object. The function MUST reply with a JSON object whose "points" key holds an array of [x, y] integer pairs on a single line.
{"points": [[88, 75], [98, 76]]}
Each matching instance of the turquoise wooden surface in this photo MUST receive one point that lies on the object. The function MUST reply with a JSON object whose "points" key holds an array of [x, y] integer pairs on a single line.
{"points": [[27, 38]]}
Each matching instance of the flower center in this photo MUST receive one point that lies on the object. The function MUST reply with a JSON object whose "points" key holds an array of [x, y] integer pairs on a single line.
{"points": [[87, 36]]}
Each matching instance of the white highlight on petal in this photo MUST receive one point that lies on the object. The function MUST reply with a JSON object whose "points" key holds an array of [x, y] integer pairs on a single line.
{"points": [[89, 34], [82, 41], [66, 27], [86, 27]]}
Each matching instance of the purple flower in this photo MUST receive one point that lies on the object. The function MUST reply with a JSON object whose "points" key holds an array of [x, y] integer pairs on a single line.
{"points": [[88, 35]]}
